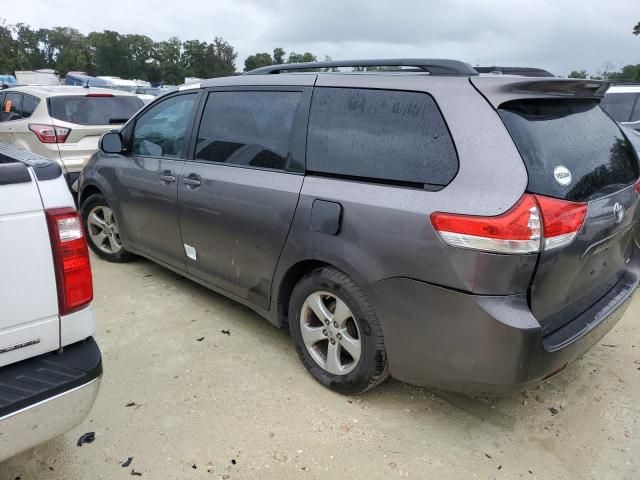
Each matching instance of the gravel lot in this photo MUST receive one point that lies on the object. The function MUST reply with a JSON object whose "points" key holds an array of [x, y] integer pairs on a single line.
{"points": [[212, 405]]}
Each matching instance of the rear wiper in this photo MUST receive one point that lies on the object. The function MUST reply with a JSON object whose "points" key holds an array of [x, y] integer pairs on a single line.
{"points": [[117, 120]]}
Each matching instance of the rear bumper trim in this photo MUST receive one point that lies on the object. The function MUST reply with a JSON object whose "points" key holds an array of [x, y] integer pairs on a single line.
{"points": [[45, 420]]}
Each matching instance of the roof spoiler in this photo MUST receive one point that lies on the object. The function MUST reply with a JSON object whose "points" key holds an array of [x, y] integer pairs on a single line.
{"points": [[498, 90], [521, 71]]}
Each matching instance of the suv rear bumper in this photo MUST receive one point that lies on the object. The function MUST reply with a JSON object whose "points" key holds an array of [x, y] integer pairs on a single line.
{"points": [[46, 396], [483, 345]]}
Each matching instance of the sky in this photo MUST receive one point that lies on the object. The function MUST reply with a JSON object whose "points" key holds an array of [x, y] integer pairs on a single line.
{"points": [[558, 35]]}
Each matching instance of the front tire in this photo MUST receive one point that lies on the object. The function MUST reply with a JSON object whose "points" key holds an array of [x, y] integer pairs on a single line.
{"points": [[336, 333], [101, 230]]}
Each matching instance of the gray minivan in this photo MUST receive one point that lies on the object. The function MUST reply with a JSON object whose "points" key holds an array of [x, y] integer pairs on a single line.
{"points": [[406, 217]]}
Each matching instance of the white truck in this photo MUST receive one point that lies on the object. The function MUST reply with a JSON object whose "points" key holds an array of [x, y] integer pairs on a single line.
{"points": [[50, 365]]}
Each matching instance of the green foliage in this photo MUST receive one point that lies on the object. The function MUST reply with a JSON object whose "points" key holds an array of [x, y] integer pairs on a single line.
{"points": [[257, 60], [629, 73], [578, 74], [112, 53], [301, 57], [278, 55]]}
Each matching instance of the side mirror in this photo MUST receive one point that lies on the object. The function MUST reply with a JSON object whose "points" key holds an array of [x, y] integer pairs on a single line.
{"points": [[111, 143]]}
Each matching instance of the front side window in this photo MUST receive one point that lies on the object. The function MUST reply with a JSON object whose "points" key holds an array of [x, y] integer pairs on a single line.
{"points": [[161, 131], [12, 107], [380, 136], [248, 128]]}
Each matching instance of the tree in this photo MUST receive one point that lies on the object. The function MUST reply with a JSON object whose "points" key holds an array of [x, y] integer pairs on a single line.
{"points": [[578, 74], [629, 73], [221, 58], [257, 60], [636, 29], [301, 57], [7, 49], [278, 56]]}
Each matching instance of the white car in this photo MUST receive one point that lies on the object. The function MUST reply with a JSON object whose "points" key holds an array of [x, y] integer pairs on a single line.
{"points": [[50, 365], [63, 123], [622, 102]]}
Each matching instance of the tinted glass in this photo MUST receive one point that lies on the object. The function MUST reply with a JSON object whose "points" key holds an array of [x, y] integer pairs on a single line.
{"points": [[29, 104], [161, 130], [12, 107], [94, 110], [379, 134], [248, 128], [576, 134], [635, 116], [619, 105]]}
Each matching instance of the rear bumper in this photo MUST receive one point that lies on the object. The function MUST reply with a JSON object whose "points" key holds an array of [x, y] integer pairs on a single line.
{"points": [[46, 396], [483, 345]]}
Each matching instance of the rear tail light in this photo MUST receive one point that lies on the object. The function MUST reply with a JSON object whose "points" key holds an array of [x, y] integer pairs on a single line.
{"points": [[71, 259], [532, 224], [562, 221], [638, 186], [50, 133], [99, 95]]}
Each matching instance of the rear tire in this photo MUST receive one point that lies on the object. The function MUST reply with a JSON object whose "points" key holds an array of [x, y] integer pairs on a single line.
{"points": [[101, 230], [346, 354]]}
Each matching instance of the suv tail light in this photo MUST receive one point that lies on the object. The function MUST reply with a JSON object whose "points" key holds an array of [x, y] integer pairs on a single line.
{"points": [[638, 186], [50, 133], [70, 258], [532, 224]]}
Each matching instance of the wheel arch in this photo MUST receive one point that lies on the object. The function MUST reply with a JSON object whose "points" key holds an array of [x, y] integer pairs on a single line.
{"points": [[88, 191], [291, 275]]}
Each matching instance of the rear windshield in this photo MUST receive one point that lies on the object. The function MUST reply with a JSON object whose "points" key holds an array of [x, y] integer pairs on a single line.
{"points": [[93, 110], [571, 148]]}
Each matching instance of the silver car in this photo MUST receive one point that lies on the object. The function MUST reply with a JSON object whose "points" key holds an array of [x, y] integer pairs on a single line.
{"points": [[62, 124]]}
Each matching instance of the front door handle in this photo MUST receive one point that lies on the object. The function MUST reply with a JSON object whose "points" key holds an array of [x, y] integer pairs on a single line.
{"points": [[167, 177], [192, 180]]}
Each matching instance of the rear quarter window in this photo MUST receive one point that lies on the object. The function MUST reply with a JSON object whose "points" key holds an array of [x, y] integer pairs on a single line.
{"points": [[380, 135], [94, 110], [575, 134]]}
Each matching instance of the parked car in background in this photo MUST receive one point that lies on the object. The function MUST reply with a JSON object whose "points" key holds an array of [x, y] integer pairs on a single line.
{"points": [[50, 365], [622, 103], [83, 80], [131, 86], [45, 77], [62, 124], [7, 81], [451, 229]]}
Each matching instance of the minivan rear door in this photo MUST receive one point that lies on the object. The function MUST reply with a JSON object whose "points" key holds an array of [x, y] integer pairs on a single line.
{"points": [[238, 195], [575, 152]]}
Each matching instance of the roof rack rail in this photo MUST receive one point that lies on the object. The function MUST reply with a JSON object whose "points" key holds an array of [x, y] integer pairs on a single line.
{"points": [[431, 66], [522, 71]]}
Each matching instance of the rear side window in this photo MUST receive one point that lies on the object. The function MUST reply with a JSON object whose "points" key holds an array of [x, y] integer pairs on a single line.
{"points": [[94, 109], [380, 135], [29, 105], [571, 148], [248, 128], [620, 105]]}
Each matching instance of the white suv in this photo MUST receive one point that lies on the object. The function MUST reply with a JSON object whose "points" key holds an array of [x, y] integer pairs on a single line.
{"points": [[622, 102], [63, 123], [50, 365]]}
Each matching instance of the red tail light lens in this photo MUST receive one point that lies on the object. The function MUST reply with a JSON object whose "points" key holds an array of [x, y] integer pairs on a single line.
{"points": [[532, 224], [516, 231], [99, 95], [562, 220], [50, 133], [71, 259], [638, 186]]}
